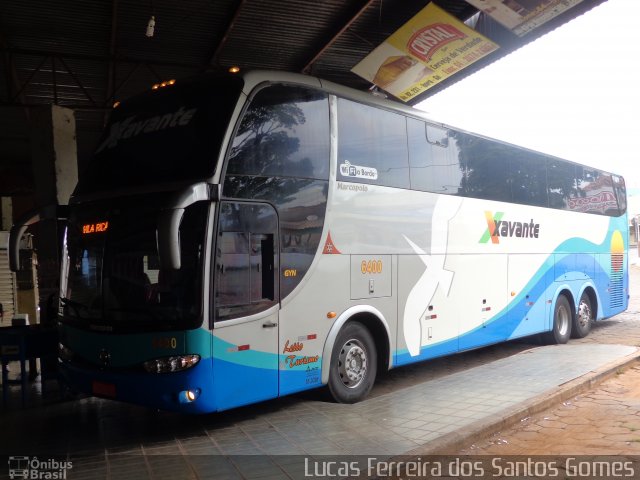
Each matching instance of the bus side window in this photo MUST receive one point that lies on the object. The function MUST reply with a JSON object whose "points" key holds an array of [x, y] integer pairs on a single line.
{"points": [[561, 184], [437, 135], [486, 164], [595, 192], [528, 178], [233, 269], [372, 145], [246, 260], [433, 159], [621, 193], [283, 133], [281, 155]]}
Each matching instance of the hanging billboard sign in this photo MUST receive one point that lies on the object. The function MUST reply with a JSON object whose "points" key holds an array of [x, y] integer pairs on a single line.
{"points": [[522, 16], [430, 47]]}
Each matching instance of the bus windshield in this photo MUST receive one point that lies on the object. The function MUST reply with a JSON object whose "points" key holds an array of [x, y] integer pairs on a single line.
{"points": [[169, 135], [111, 279]]}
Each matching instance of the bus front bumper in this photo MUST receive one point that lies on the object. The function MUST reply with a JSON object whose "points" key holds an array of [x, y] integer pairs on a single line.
{"points": [[187, 391]]}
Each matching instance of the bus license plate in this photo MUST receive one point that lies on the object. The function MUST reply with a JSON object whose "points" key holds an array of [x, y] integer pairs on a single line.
{"points": [[104, 389]]}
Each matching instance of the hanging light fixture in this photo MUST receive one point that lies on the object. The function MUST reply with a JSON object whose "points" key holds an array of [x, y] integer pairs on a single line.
{"points": [[151, 26]]}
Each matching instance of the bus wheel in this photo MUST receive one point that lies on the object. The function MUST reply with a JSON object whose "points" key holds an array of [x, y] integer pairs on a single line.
{"points": [[562, 321], [583, 320], [353, 364]]}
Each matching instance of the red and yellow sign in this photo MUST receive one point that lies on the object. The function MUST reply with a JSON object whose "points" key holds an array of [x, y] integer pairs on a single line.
{"points": [[523, 17], [98, 227], [430, 47]]}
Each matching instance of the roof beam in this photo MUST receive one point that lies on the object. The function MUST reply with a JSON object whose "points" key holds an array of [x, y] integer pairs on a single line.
{"points": [[20, 88], [53, 80], [328, 45], [72, 106], [15, 79], [109, 94], [77, 80], [214, 58], [95, 58], [124, 82]]}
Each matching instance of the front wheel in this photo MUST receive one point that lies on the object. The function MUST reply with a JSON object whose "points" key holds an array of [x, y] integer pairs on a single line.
{"points": [[584, 319], [353, 364], [562, 322]]}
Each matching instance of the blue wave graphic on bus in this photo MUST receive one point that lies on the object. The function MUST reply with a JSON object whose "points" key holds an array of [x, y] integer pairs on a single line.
{"points": [[508, 323]]}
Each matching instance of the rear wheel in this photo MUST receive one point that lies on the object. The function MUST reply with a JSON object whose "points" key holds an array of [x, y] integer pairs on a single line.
{"points": [[584, 319], [353, 364], [562, 322]]}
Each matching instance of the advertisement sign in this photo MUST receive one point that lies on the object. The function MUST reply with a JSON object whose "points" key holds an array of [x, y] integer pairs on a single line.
{"points": [[430, 47], [522, 16]]}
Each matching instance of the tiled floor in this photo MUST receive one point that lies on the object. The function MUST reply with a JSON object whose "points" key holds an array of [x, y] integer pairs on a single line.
{"points": [[105, 439]]}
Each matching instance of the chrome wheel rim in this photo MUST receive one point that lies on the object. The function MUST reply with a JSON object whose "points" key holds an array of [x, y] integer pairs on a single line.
{"points": [[584, 314], [352, 363], [563, 320]]}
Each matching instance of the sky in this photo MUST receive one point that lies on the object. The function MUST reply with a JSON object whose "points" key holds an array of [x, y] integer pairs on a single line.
{"points": [[573, 93]]}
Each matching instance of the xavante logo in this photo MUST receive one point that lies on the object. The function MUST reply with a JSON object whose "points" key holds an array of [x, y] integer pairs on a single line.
{"points": [[133, 126], [496, 228]]}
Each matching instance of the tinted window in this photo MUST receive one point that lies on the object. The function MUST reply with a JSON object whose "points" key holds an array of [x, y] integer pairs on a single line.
{"points": [[486, 165], [245, 260], [621, 193], [595, 193], [433, 159], [372, 145], [528, 178], [111, 273], [561, 183], [284, 132], [437, 135], [301, 205]]}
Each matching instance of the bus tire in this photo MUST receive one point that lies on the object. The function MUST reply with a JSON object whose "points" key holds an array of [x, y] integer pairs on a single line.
{"points": [[562, 322], [583, 320], [353, 364]]}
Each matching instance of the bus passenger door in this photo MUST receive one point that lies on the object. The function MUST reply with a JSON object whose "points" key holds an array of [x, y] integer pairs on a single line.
{"points": [[245, 310]]}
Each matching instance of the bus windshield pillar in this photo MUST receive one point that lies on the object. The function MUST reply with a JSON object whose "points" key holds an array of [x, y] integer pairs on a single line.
{"points": [[168, 236]]}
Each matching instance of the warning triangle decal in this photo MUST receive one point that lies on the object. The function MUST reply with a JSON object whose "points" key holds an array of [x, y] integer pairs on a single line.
{"points": [[329, 247]]}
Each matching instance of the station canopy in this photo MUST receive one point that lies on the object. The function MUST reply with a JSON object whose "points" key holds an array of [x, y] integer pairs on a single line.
{"points": [[87, 55]]}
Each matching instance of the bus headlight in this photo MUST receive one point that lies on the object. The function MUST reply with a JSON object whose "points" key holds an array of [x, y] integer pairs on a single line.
{"points": [[171, 364]]}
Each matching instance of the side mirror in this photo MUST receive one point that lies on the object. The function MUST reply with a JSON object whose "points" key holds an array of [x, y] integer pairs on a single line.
{"points": [[168, 233], [49, 212]]}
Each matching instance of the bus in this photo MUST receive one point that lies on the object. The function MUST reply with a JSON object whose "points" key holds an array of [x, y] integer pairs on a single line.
{"points": [[241, 237], [19, 467]]}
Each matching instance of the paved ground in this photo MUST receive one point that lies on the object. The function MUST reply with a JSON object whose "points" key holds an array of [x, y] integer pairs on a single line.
{"points": [[443, 406], [604, 420]]}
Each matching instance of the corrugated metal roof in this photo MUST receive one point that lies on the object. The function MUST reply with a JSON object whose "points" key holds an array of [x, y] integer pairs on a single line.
{"points": [[86, 54]]}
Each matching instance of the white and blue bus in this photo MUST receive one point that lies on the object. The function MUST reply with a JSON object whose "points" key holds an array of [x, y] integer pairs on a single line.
{"points": [[242, 237]]}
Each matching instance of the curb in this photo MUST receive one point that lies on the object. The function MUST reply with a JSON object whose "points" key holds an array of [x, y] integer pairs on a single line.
{"points": [[451, 443]]}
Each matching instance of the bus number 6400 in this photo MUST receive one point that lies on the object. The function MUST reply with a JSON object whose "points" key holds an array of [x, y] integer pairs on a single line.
{"points": [[164, 342], [371, 266]]}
